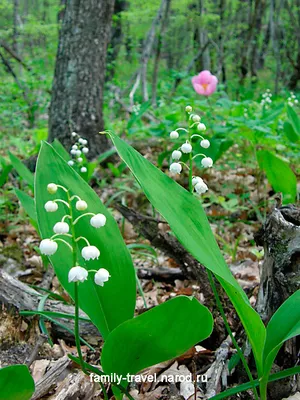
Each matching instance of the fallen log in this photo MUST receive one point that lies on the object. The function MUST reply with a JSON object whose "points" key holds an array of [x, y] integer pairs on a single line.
{"points": [[16, 296]]}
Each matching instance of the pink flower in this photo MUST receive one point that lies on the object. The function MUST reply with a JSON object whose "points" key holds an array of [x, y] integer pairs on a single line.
{"points": [[205, 83]]}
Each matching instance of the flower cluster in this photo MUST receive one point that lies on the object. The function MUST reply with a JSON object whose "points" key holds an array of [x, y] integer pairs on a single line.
{"points": [[62, 228], [78, 150], [136, 108], [186, 148], [266, 99], [292, 100]]}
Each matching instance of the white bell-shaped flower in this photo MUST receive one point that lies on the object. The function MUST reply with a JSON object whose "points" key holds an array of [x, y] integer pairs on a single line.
{"points": [[175, 168], [74, 134], [83, 170], [201, 127], [188, 109], [73, 152], [98, 220], [174, 135], [85, 150], [207, 162], [201, 187], [75, 147], [51, 206], [80, 140], [77, 274], [71, 163], [176, 155], [186, 148], [52, 188], [90, 253], [61, 227], [196, 118], [84, 142], [48, 247], [79, 159], [81, 205], [196, 179], [78, 153], [101, 276], [205, 143]]}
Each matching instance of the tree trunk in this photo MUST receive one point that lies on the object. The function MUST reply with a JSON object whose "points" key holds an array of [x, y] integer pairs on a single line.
{"points": [[200, 39], [158, 54], [77, 92], [280, 278], [257, 33], [16, 23], [116, 37]]}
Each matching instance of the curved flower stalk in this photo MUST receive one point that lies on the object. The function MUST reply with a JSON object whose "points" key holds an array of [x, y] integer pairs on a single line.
{"points": [[64, 233], [195, 183], [78, 152]]}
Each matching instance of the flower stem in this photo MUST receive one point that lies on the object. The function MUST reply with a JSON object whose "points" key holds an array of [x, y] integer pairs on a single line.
{"points": [[239, 351], [76, 328], [80, 216], [190, 167]]}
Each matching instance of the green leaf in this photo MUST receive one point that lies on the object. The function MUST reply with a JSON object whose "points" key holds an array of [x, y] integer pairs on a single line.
{"points": [[279, 174], [16, 383], [160, 334], [294, 119], [114, 303], [246, 386], [284, 325], [290, 132], [190, 225], [4, 174], [59, 148], [27, 203], [22, 170]]}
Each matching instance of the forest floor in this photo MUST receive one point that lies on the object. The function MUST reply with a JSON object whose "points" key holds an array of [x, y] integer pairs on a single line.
{"points": [[234, 224]]}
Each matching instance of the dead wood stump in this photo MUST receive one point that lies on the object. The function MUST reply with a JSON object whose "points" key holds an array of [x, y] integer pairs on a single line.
{"points": [[280, 278]]}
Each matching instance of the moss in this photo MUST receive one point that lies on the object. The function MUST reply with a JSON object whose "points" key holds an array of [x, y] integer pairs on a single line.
{"points": [[13, 252]]}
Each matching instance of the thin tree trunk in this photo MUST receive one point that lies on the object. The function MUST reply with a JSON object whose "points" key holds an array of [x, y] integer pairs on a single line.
{"points": [[116, 37], [146, 54], [265, 45], [222, 67], [257, 33], [77, 92], [16, 23], [158, 53]]}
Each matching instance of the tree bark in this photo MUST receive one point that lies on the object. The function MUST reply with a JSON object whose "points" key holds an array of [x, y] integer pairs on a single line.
{"points": [[77, 92], [116, 37], [158, 54], [280, 278]]}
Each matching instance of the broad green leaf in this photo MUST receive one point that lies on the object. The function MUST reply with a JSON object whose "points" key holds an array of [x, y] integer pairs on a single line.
{"points": [[160, 334], [294, 119], [114, 303], [16, 383], [59, 148], [4, 174], [189, 223], [27, 203], [279, 174], [290, 132], [22, 170], [284, 325]]}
